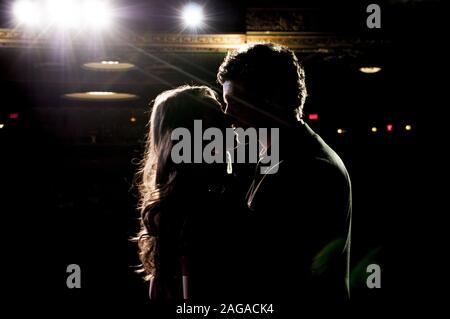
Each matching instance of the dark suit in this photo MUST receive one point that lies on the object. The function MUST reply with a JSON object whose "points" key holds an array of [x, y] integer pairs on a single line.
{"points": [[298, 232]]}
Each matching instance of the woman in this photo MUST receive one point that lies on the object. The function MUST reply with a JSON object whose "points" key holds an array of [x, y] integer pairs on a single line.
{"points": [[183, 207]]}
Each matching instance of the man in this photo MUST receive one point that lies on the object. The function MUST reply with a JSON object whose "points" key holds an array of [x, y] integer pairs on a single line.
{"points": [[298, 237]]}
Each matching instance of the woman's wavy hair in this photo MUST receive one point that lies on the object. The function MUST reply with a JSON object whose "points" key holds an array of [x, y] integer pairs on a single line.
{"points": [[157, 176]]}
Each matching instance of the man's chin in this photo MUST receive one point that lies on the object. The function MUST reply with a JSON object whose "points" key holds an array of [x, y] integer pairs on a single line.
{"points": [[241, 124]]}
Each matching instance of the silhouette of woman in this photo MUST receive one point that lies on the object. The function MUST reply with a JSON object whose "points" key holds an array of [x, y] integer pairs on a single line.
{"points": [[183, 207]]}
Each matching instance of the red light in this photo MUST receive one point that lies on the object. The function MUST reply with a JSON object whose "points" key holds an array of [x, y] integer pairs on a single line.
{"points": [[313, 116], [14, 115], [389, 127]]}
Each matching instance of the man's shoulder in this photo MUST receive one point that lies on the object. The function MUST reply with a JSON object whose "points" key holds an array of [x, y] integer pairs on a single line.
{"points": [[307, 151]]}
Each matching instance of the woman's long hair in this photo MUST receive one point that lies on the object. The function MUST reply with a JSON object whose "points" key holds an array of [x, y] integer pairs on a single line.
{"points": [[158, 177]]}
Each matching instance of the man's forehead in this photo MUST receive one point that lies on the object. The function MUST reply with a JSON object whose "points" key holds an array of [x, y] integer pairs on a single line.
{"points": [[228, 87]]}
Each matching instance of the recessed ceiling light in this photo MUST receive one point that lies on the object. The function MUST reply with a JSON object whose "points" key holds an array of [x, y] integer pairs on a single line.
{"points": [[110, 62], [100, 96], [370, 69], [100, 93], [108, 66]]}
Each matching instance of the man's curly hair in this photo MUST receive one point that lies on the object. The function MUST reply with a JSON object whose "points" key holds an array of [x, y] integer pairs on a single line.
{"points": [[271, 71]]}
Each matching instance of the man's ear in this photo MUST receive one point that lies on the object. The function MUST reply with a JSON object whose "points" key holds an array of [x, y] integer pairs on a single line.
{"points": [[275, 100]]}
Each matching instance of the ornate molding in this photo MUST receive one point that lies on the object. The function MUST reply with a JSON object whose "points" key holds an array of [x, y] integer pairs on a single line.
{"points": [[299, 41], [10, 38], [310, 41], [190, 42]]}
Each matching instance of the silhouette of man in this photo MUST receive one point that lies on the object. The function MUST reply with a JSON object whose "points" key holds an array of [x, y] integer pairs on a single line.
{"points": [[297, 242]]}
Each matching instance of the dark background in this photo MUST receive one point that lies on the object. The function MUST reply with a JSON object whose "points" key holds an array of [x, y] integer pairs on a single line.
{"points": [[67, 167]]}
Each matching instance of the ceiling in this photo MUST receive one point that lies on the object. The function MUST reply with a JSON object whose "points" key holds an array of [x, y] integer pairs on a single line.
{"points": [[38, 68]]}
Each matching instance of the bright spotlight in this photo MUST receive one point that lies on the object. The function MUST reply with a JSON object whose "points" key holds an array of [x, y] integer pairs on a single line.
{"points": [[26, 12], [97, 14], [62, 13], [193, 15]]}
